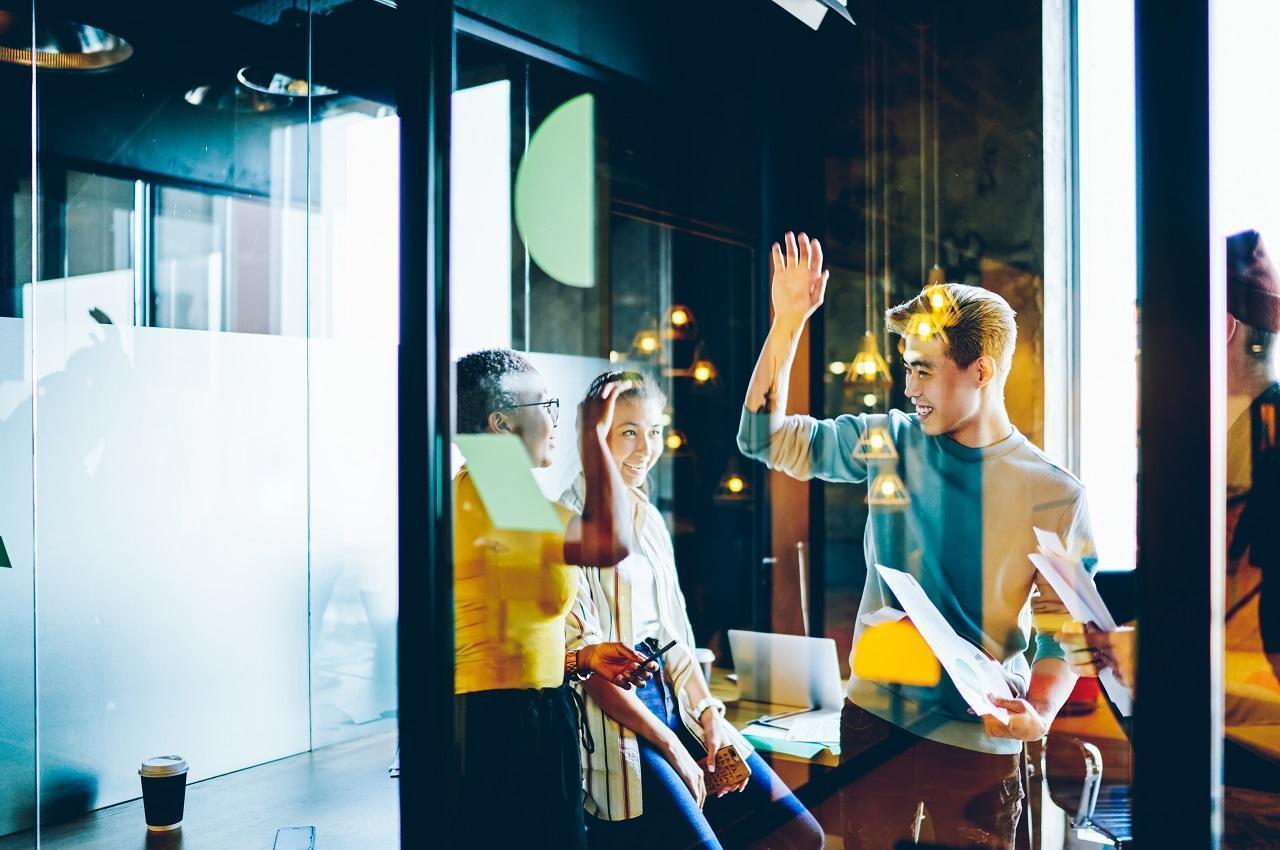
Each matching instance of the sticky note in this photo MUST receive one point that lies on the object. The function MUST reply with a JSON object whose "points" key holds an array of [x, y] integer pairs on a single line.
{"points": [[500, 467]]}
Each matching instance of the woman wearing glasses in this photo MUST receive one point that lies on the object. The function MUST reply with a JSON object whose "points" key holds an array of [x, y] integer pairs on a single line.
{"points": [[519, 723], [654, 753]]}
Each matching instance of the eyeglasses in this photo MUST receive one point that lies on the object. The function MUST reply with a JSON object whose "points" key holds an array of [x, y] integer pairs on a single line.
{"points": [[552, 405]]}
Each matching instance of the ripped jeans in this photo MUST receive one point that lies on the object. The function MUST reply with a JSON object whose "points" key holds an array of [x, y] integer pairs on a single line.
{"points": [[970, 799]]}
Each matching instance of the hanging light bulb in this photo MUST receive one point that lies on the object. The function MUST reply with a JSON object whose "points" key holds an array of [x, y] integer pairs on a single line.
{"points": [[703, 371], [888, 491], [681, 324], [926, 326], [875, 444], [869, 365], [676, 442], [837, 367], [942, 305], [646, 342], [733, 486], [870, 400]]}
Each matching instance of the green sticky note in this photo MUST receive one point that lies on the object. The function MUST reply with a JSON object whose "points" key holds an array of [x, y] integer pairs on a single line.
{"points": [[499, 465], [799, 749], [4, 556]]}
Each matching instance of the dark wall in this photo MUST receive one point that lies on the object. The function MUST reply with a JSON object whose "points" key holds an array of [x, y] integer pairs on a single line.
{"points": [[625, 37]]}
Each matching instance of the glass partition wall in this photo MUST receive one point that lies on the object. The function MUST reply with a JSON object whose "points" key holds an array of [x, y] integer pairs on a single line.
{"points": [[199, 323]]}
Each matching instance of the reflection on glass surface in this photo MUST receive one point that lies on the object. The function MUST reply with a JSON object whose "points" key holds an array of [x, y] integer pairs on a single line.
{"points": [[18, 761], [212, 328], [1246, 220]]}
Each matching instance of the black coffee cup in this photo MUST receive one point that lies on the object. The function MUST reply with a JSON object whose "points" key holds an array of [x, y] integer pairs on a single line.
{"points": [[164, 791]]}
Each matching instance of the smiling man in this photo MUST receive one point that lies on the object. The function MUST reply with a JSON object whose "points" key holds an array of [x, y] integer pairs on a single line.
{"points": [[976, 488]]}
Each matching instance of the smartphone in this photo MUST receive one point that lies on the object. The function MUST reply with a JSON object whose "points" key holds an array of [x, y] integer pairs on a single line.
{"points": [[649, 647], [296, 838]]}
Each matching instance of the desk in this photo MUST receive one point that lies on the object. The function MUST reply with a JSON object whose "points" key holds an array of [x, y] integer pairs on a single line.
{"points": [[794, 770]]}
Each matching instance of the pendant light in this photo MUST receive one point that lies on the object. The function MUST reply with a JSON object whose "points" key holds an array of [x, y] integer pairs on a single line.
{"points": [[232, 97], [884, 182], [937, 276], [703, 371], [733, 486], [869, 367], [646, 343], [875, 444], [888, 491], [681, 324], [59, 45], [290, 75], [280, 83], [676, 443]]}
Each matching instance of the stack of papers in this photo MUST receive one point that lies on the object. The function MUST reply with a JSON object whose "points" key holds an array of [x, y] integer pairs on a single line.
{"points": [[1074, 586]]}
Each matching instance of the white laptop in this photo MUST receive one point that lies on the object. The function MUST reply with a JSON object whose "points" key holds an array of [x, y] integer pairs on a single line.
{"points": [[787, 669]]}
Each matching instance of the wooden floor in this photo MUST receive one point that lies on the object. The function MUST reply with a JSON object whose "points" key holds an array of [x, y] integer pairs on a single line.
{"points": [[343, 791]]}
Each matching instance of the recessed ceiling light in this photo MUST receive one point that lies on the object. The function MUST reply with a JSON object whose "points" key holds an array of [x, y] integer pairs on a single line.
{"points": [[60, 46]]}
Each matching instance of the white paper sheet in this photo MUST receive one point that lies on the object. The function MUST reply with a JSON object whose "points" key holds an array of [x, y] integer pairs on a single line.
{"points": [[1073, 584], [974, 674], [820, 727], [887, 614]]}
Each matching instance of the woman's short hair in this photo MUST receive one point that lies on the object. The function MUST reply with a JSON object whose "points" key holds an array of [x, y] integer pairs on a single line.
{"points": [[981, 323], [478, 377]]}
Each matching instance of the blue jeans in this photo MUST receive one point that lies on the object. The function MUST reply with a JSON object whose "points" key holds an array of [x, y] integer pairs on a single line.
{"points": [[764, 814]]}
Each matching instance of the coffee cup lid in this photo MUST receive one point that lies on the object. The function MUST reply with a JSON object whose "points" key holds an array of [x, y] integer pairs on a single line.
{"points": [[163, 766]]}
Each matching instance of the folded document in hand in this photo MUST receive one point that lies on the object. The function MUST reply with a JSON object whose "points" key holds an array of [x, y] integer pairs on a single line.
{"points": [[974, 674], [1074, 586]]}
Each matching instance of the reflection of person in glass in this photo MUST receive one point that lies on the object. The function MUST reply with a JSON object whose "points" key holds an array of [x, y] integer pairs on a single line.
{"points": [[518, 719], [657, 800], [975, 489], [1253, 481], [1253, 548]]}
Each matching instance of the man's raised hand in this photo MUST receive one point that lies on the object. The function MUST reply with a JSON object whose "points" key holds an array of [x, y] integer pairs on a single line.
{"points": [[799, 281]]}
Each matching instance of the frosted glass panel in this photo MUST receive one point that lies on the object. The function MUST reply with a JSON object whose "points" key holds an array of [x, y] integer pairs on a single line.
{"points": [[17, 660], [199, 500], [172, 554], [353, 538]]}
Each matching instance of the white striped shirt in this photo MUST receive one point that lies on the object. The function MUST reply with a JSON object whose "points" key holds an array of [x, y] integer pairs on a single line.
{"points": [[602, 612]]}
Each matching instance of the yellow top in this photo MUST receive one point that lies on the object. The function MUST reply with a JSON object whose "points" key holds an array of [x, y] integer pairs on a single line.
{"points": [[511, 592]]}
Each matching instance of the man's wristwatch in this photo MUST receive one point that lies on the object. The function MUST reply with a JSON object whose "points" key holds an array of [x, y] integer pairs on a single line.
{"points": [[572, 673], [704, 704]]}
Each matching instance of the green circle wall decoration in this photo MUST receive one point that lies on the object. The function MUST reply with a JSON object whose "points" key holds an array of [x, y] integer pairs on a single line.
{"points": [[555, 194]]}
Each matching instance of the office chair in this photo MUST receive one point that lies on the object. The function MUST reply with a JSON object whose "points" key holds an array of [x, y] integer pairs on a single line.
{"points": [[1104, 813]]}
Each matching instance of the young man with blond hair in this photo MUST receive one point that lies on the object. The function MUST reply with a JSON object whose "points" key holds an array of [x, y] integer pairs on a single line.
{"points": [[975, 488]]}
